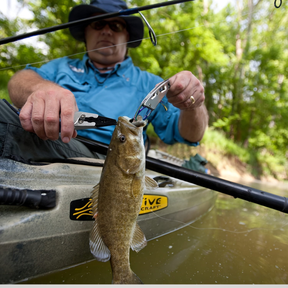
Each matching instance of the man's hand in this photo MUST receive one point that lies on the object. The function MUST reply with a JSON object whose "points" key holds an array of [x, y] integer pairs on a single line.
{"points": [[44, 108], [183, 86], [187, 94], [42, 104]]}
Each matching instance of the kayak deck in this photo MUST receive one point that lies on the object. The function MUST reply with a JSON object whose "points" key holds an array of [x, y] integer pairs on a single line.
{"points": [[36, 241]]}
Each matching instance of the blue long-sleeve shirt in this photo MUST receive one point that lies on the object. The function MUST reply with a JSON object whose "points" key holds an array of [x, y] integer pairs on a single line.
{"points": [[112, 94]]}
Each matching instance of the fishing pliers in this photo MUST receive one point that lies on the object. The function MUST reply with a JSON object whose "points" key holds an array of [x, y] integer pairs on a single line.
{"points": [[153, 98], [84, 120]]}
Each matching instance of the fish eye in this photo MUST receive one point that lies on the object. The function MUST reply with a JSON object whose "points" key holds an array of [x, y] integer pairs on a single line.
{"points": [[122, 138]]}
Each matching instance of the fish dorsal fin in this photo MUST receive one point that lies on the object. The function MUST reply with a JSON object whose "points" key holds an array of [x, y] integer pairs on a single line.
{"points": [[94, 197], [139, 240], [97, 246], [150, 183]]}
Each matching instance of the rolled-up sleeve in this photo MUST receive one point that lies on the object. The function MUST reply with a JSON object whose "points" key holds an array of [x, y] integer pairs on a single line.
{"points": [[165, 119]]}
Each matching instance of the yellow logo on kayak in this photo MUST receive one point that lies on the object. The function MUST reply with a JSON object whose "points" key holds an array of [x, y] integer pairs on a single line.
{"points": [[151, 203], [81, 209], [85, 210]]}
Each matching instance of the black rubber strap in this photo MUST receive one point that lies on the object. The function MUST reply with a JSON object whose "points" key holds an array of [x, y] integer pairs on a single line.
{"points": [[40, 199]]}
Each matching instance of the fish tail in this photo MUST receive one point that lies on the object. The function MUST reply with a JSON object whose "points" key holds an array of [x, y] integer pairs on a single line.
{"points": [[135, 279], [132, 278]]}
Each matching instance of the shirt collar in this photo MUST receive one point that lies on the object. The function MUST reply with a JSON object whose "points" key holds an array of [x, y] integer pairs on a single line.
{"points": [[120, 67]]}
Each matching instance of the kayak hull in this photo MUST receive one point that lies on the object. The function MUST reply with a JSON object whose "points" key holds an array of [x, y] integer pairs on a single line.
{"points": [[37, 241]]}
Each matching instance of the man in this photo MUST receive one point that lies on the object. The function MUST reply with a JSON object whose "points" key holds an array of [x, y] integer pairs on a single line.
{"points": [[105, 82]]}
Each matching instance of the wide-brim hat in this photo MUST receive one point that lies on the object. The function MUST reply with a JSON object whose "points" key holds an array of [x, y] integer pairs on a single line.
{"points": [[135, 25]]}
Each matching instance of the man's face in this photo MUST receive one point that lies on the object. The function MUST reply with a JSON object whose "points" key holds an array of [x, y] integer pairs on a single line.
{"points": [[103, 45]]}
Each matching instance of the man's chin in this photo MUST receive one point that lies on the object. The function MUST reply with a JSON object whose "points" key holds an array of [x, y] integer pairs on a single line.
{"points": [[100, 53]]}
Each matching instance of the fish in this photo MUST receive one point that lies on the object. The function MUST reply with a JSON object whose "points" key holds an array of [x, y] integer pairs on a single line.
{"points": [[117, 198]]}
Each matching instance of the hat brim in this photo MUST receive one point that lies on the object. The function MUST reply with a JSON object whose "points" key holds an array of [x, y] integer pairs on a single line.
{"points": [[135, 25]]}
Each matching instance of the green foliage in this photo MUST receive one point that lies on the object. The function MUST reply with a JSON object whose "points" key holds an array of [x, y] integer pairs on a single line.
{"points": [[51, 13], [14, 56], [150, 131], [4, 95], [260, 162], [183, 41], [216, 139]]}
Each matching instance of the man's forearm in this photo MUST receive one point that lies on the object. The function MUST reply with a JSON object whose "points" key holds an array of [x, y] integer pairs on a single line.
{"points": [[23, 84], [192, 123]]}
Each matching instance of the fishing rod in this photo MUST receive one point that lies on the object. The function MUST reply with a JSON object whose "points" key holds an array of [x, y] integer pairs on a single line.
{"points": [[230, 188], [86, 21], [236, 190]]}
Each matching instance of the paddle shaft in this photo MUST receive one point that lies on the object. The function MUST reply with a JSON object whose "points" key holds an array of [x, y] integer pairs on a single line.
{"points": [[226, 187]]}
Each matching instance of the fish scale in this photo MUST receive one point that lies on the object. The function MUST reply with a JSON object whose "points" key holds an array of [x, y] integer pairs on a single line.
{"points": [[117, 201]]}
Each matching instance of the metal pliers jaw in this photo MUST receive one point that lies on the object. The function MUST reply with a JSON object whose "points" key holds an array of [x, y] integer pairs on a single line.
{"points": [[153, 98], [84, 120]]}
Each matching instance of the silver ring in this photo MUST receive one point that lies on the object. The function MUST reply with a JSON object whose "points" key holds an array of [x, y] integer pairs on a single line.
{"points": [[192, 99]]}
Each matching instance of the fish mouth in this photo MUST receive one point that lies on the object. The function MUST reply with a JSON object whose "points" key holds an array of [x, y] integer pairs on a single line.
{"points": [[139, 122]]}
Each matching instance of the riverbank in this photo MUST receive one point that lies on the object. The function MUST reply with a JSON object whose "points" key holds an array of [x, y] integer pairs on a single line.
{"points": [[228, 160], [227, 170], [226, 167]]}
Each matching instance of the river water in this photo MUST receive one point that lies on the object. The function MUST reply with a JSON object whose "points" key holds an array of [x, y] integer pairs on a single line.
{"points": [[237, 242]]}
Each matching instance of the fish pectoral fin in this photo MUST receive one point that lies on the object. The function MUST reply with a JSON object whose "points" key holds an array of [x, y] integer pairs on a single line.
{"points": [[97, 246], [94, 198], [139, 240], [150, 183]]}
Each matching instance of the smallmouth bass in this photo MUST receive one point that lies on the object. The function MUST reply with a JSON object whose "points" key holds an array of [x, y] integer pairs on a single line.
{"points": [[117, 201]]}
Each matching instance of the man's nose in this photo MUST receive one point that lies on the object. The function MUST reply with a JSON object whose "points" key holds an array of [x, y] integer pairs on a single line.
{"points": [[106, 29]]}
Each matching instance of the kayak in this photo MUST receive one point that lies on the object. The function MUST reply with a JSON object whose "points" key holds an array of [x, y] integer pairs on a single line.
{"points": [[46, 217]]}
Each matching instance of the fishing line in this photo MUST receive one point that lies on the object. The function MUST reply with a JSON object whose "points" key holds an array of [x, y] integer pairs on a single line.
{"points": [[144, 39], [88, 20], [216, 228], [81, 53], [71, 55]]}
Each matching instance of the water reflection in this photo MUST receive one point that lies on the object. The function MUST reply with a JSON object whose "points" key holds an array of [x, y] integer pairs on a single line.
{"points": [[236, 243]]}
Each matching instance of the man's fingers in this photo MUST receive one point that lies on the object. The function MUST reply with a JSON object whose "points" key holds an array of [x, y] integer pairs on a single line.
{"points": [[51, 118], [37, 117], [186, 91], [68, 109], [25, 117], [42, 112]]}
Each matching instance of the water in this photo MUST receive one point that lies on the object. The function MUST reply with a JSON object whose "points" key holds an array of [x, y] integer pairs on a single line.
{"points": [[237, 242]]}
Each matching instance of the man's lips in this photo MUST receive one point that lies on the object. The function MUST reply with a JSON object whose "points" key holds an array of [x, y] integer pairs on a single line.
{"points": [[105, 42]]}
